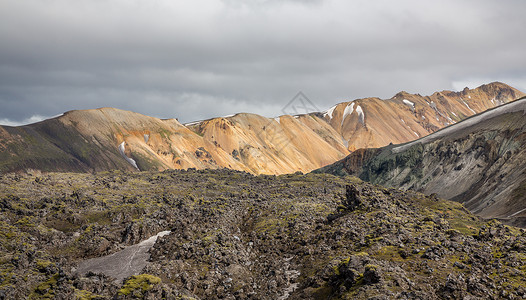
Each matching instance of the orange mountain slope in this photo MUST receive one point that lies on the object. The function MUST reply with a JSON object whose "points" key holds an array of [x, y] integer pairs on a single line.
{"points": [[109, 138]]}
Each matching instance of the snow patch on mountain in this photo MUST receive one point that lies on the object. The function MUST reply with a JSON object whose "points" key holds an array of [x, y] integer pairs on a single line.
{"points": [[349, 109], [192, 123], [129, 160], [409, 103], [345, 142], [329, 112], [516, 106], [361, 114], [469, 107]]}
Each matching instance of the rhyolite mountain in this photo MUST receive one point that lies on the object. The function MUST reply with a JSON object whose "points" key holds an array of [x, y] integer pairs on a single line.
{"points": [[480, 162], [108, 138]]}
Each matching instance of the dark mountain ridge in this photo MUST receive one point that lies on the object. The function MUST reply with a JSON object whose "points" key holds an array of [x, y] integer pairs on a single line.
{"points": [[480, 162]]}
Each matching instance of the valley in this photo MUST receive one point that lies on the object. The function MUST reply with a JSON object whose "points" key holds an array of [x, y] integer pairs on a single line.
{"points": [[112, 204]]}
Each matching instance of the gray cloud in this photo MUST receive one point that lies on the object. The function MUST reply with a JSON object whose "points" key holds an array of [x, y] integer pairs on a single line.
{"points": [[199, 59]]}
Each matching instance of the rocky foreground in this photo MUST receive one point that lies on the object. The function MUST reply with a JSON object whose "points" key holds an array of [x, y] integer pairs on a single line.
{"points": [[238, 236]]}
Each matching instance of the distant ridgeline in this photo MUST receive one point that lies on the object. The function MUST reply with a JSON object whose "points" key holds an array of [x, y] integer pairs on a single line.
{"points": [[107, 138]]}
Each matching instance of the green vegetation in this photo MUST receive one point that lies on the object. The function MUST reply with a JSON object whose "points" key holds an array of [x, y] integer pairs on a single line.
{"points": [[137, 285], [45, 290], [238, 234]]}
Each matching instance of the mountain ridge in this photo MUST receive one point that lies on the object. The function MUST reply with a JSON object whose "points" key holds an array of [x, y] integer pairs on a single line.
{"points": [[479, 162], [92, 140]]}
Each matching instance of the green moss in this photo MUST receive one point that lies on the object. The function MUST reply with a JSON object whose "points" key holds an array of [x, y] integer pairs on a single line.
{"points": [[43, 264], [85, 295], [45, 290], [353, 291], [165, 134], [323, 292], [137, 285], [100, 217], [25, 222], [371, 267], [391, 253]]}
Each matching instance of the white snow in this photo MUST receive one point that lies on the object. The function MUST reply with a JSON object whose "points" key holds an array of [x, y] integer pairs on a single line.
{"points": [[469, 107], [402, 121], [469, 97], [129, 261], [329, 112], [192, 123], [345, 142], [518, 212], [416, 134], [277, 119], [130, 160], [361, 114], [152, 239], [454, 114], [146, 138], [411, 104], [516, 106], [228, 116], [347, 111]]}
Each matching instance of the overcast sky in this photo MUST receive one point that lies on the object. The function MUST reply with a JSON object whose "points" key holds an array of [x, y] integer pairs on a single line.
{"points": [[203, 58]]}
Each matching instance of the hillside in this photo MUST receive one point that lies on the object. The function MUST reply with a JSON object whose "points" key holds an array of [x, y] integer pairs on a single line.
{"points": [[230, 235], [373, 122], [108, 138], [480, 162]]}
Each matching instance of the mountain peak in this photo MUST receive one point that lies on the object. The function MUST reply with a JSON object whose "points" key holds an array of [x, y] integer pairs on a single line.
{"points": [[401, 95], [90, 139]]}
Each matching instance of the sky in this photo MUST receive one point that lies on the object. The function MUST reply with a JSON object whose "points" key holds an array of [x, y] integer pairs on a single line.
{"points": [[199, 59]]}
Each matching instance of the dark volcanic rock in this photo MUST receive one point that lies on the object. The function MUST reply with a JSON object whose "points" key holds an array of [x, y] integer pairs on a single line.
{"points": [[238, 236]]}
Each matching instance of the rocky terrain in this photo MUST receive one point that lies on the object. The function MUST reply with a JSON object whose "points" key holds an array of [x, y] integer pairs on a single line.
{"points": [[238, 236], [107, 138], [480, 162]]}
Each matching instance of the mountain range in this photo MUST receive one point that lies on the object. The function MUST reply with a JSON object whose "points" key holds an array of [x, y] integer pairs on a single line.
{"points": [[480, 161], [107, 138], [99, 229]]}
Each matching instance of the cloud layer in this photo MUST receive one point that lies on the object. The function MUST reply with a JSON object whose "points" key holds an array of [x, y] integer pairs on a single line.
{"points": [[198, 59]]}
